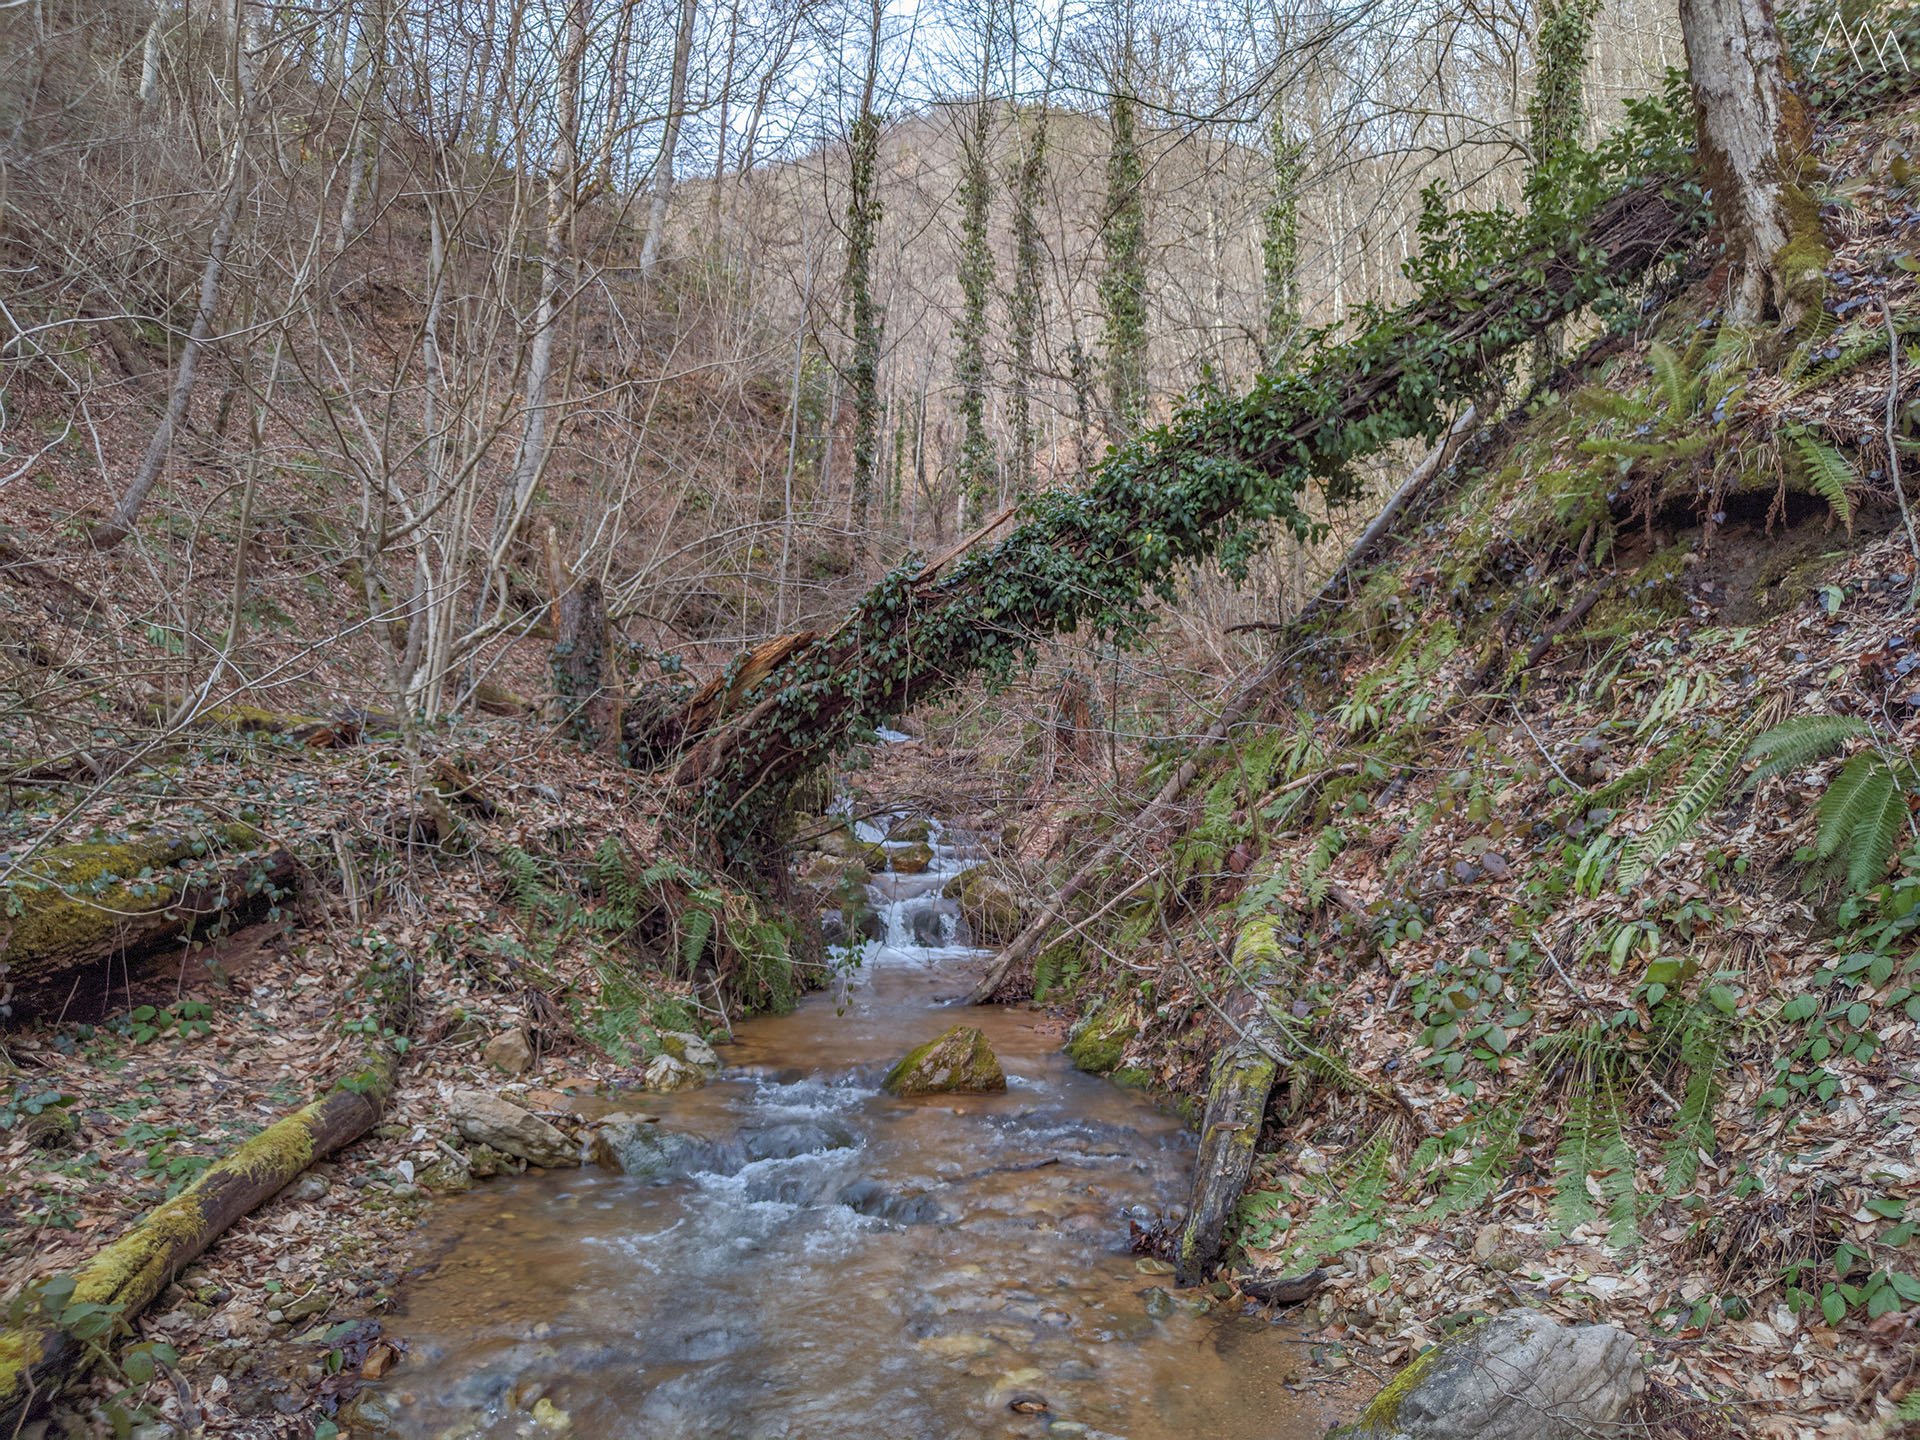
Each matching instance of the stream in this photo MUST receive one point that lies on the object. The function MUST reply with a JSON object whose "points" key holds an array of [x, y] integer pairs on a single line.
{"points": [[822, 1260]]}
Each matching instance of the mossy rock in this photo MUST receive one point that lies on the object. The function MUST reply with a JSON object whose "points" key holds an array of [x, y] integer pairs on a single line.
{"points": [[958, 1062], [910, 859], [915, 831], [1099, 1042], [840, 842], [991, 910]]}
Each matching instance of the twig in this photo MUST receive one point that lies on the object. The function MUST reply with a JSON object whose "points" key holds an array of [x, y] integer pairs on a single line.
{"points": [[1893, 449]]}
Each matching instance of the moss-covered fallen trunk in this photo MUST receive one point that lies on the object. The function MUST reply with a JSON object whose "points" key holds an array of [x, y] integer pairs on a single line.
{"points": [[1243, 1077], [41, 1352], [75, 905]]}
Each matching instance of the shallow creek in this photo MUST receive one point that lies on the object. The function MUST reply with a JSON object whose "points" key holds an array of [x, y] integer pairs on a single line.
{"points": [[825, 1261]]}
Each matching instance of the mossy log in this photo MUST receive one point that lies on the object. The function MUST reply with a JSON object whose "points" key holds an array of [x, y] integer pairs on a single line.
{"points": [[1177, 495], [39, 1354], [74, 905], [1243, 1077]]}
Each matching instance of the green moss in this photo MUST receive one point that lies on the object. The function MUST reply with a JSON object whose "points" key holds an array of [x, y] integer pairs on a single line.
{"points": [[1100, 1041], [989, 907], [910, 859], [959, 1061]]}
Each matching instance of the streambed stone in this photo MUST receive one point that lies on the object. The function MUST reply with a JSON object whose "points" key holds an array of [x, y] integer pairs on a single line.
{"points": [[1520, 1375], [489, 1120], [958, 1062]]}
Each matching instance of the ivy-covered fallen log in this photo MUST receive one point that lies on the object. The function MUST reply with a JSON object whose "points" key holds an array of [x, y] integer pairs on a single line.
{"points": [[57, 1328], [1210, 484], [109, 900]]}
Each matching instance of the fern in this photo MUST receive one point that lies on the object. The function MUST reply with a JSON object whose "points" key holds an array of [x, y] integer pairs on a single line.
{"points": [[1617, 1169], [1607, 404], [1314, 879], [1800, 741], [1862, 814], [527, 882], [1701, 1046], [1573, 1160], [1676, 386], [1356, 1199], [1827, 471], [1706, 781], [1492, 1142]]}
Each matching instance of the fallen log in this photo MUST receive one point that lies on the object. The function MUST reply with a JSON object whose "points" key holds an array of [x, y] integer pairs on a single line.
{"points": [[1244, 1073], [1205, 485], [74, 905], [65, 1323], [1281, 1289]]}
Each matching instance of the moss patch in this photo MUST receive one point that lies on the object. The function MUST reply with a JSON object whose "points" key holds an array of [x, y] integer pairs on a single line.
{"points": [[1099, 1042], [960, 1061]]}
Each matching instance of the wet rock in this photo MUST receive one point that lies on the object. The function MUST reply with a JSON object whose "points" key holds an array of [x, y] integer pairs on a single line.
{"points": [[510, 1052], [1518, 1376], [959, 1061], [870, 1197], [645, 1151], [489, 1120], [910, 859], [916, 831], [867, 925], [685, 1045], [802, 1137], [988, 905], [1098, 1042], [929, 926], [667, 1074]]}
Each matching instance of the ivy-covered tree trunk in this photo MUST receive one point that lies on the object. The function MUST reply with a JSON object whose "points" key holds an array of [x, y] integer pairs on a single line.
{"points": [[976, 291], [1025, 310], [1209, 484], [864, 318], [1555, 114], [1754, 137], [1280, 244], [585, 694], [1123, 286]]}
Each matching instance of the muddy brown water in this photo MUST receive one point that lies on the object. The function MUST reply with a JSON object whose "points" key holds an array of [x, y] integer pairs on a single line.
{"points": [[822, 1260]]}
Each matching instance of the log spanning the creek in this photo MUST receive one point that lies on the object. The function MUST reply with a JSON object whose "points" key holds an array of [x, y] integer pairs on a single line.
{"points": [[1202, 486], [1244, 1073]]}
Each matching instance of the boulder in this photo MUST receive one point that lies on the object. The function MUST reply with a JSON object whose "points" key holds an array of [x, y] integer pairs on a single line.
{"points": [[488, 1120], [916, 831], [1099, 1041], [840, 843], [510, 1052], [636, 1145], [687, 1046], [1520, 1375], [960, 1061], [910, 859], [668, 1073], [990, 908]]}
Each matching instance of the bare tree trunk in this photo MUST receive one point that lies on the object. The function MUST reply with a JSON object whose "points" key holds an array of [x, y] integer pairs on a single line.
{"points": [[669, 139], [239, 172], [1754, 135], [150, 53], [562, 191]]}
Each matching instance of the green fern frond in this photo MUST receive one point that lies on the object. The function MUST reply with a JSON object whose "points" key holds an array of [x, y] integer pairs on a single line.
{"points": [[1617, 1170], [1701, 1047], [1314, 879], [1800, 741], [1706, 781], [1676, 386], [1604, 404], [1573, 1160], [527, 882], [1862, 816], [1827, 472]]}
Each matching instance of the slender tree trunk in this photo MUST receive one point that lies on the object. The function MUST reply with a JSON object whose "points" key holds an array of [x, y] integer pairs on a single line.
{"points": [[1754, 137], [977, 460], [236, 182], [863, 234], [150, 55], [1123, 286], [669, 140], [562, 191]]}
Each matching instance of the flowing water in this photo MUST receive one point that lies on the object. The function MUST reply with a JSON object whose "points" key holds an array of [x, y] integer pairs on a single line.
{"points": [[821, 1260]]}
